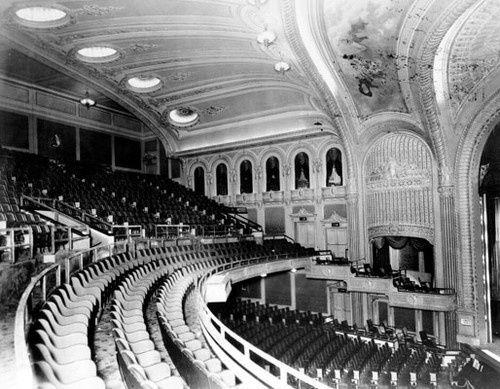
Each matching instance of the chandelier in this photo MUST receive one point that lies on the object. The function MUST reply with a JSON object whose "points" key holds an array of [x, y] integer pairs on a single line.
{"points": [[87, 101]]}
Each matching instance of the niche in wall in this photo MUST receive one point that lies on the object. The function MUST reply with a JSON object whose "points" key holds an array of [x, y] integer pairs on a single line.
{"points": [[56, 140], [127, 153], [14, 130], [275, 220], [278, 289], [95, 146], [249, 288], [311, 293]]}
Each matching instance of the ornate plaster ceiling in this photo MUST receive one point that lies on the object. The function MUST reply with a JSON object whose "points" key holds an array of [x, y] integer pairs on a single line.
{"points": [[354, 65]]}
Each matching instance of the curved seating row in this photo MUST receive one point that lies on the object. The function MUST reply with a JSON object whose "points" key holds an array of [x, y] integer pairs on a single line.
{"points": [[170, 311], [61, 337], [140, 363]]}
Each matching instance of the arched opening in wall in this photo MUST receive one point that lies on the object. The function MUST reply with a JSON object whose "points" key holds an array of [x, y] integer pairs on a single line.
{"points": [[334, 167], [221, 179], [489, 188], [199, 181], [272, 174], [246, 178], [302, 171], [412, 257]]}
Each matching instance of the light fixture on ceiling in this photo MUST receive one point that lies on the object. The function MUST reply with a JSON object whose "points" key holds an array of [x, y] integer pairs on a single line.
{"points": [[41, 16], [257, 3], [282, 67], [144, 83], [183, 117], [266, 37], [87, 101], [97, 54]]}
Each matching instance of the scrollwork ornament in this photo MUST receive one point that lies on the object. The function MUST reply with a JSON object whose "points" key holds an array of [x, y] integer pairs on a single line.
{"points": [[287, 168]]}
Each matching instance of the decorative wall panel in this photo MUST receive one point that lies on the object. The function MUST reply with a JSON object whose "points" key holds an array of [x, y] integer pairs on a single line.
{"points": [[398, 180], [56, 103]]}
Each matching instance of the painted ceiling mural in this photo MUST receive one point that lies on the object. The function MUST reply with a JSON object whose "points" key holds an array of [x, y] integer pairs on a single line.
{"points": [[363, 35]]}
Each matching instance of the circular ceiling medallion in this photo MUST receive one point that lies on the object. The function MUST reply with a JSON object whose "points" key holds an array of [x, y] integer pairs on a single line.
{"points": [[144, 83], [183, 117], [42, 16], [97, 54]]}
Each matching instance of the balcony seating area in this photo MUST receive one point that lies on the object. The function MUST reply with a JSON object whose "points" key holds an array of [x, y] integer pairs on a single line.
{"points": [[334, 353], [114, 196], [22, 222], [399, 278]]}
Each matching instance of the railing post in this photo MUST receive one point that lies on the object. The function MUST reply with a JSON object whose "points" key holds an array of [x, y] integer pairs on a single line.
{"points": [[44, 288], [66, 270], [53, 238], [70, 239], [12, 247], [80, 260]]}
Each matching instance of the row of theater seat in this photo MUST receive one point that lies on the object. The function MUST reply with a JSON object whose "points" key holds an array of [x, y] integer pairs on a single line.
{"points": [[62, 335], [123, 195], [171, 316], [330, 353], [140, 363]]}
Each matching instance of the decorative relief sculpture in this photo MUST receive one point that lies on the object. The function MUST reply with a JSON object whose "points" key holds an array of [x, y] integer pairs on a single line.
{"points": [[399, 188]]}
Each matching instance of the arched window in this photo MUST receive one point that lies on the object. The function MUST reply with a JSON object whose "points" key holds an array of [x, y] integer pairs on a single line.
{"points": [[199, 180], [301, 171], [272, 174], [334, 167], [221, 178], [246, 179]]}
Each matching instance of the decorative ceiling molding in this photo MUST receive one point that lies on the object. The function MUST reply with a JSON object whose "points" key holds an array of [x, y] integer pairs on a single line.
{"points": [[300, 50], [424, 70]]}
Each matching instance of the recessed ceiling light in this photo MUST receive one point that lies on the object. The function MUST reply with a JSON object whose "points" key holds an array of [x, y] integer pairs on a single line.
{"points": [[144, 84], [183, 117], [97, 54], [42, 16]]}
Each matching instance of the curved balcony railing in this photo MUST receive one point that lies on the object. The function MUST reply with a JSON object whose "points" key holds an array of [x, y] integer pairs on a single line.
{"points": [[238, 354]]}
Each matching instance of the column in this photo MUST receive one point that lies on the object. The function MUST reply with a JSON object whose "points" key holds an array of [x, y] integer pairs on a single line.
{"points": [[263, 290], [357, 303], [293, 295], [449, 254], [352, 226]]}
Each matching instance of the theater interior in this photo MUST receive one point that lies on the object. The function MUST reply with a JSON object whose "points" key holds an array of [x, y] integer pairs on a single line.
{"points": [[249, 194]]}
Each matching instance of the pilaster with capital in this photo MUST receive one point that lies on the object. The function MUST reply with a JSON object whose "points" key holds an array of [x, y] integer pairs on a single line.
{"points": [[446, 192], [352, 225], [209, 180], [260, 185], [287, 170]]}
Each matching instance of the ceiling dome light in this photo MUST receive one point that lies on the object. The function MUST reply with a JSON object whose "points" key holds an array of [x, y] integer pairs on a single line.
{"points": [[42, 16], [183, 117], [97, 54], [257, 3], [282, 67], [266, 38], [144, 84]]}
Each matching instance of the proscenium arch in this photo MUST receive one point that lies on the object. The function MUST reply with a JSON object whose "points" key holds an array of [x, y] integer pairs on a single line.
{"points": [[468, 221]]}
